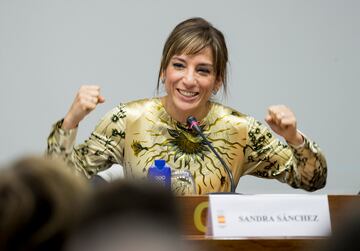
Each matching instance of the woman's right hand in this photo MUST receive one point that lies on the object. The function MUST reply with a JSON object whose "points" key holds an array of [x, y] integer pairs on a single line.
{"points": [[85, 101]]}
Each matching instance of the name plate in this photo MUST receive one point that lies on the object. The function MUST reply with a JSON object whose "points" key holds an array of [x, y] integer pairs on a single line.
{"points": [[268, 215]]}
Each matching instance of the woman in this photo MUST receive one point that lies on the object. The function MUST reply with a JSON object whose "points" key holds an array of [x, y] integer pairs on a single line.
{"points": [[193, 68]]}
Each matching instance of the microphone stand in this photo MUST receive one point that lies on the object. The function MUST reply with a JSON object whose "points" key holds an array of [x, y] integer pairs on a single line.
{"points": [[193, 124]]}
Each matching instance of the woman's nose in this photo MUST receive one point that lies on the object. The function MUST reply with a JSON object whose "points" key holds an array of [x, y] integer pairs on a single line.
{"points": [[189, 77]]}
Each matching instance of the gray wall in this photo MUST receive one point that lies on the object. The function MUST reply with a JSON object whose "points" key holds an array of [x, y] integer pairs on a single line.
{"points": [[301, 53]]}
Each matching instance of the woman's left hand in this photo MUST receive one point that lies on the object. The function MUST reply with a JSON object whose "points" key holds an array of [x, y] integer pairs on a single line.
{"points": [[283, 122]]}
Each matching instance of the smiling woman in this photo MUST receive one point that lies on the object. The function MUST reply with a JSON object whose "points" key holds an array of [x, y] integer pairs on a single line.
{"points": [[193, 68]]}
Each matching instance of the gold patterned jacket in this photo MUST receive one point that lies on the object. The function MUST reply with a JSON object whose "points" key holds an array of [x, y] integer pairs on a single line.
{"points": [[136, 133]]}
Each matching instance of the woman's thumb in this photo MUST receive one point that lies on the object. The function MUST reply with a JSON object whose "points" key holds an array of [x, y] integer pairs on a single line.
{"points": [[101, 99]]}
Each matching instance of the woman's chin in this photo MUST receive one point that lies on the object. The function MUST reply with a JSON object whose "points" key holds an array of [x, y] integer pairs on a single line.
{"points": [[180, 109], [187, 105]]}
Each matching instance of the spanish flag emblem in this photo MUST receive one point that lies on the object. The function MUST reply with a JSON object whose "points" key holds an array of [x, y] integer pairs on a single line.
{"points": [[221, 219]]}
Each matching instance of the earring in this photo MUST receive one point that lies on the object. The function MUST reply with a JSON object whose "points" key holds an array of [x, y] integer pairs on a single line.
{"points": [[214, 92], [162, 80]]}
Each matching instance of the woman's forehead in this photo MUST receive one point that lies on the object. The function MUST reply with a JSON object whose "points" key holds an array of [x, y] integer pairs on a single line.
{"points": [[204, 55]]}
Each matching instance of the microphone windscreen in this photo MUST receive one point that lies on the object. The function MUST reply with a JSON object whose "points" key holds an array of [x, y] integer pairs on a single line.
{"points": [[191, 121]]}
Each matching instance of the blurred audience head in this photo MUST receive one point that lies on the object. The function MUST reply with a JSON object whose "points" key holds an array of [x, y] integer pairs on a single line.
{"points": [[38, 201], [346, 234], [128, 216]]}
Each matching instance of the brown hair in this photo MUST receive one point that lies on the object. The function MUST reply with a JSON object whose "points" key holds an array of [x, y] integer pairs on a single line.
{"points": [[38, 201], [129, 214], [190, 37], [140, 199]]}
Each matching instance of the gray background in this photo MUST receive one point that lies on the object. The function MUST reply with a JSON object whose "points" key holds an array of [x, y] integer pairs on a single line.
{"points": [[301, 53]]}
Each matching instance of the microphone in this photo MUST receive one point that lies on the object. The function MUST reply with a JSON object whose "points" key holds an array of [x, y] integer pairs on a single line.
{"points": [[194, 124]]}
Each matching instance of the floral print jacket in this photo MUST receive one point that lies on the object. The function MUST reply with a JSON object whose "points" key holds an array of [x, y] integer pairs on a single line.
{"points": [[136, 133]]}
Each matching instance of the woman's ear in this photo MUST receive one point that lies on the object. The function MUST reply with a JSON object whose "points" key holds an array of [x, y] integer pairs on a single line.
{"points": [[162, 77], [217, 85]]}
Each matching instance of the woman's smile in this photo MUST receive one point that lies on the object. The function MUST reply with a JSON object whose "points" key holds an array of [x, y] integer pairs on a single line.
{"points": [[187, 93]]}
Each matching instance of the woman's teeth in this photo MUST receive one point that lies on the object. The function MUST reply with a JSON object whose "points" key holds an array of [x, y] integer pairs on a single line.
{"points": [[187, 93]]}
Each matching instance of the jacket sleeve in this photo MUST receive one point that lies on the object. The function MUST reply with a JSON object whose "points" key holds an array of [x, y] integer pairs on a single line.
{"points": [[266, 156], [104, 147]]}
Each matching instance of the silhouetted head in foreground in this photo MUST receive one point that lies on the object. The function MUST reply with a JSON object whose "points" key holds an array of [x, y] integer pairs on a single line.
{"points": [[346, 233], [37, 202], [128, 216]]}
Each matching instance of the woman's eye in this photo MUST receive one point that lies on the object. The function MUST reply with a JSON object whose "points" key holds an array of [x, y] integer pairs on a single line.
{"points": [[178, 65], [204, 70]]}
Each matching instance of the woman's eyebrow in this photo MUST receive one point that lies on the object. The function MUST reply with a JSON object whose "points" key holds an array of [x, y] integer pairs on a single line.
{"points": [[206, 64], [183, 60], [179, 58]]}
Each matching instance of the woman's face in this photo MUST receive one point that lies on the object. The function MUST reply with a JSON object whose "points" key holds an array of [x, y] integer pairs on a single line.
{"points": [[189, 82]]}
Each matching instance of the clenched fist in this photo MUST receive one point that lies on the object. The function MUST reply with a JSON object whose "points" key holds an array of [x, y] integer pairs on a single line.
{"points": [[85, 101], [283, 122]]}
